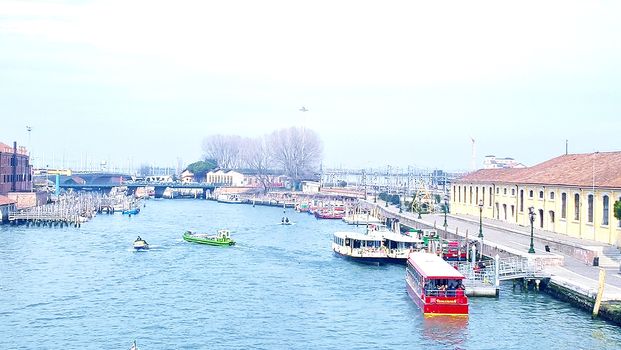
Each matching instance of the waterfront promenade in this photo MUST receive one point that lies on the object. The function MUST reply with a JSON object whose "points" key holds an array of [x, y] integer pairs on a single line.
{"points": [[576, 272]]}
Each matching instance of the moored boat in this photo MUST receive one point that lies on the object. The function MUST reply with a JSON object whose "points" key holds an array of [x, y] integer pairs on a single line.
{"points": [[377, 246], [361, 219], [361, 247], [229, 198], [222, 238], [133, 211], [140, 244], [434, 285], [330, 213]]}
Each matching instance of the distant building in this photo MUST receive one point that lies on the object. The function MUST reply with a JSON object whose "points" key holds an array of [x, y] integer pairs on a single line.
{"points": [[493, 162], [187, 177], [310, 186], [15, 169], [230, 178], [573, 194], [243, 178], [6, 205]]}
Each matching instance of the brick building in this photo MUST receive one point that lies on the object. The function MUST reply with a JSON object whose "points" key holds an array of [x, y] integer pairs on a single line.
{"points": [[15, 169]]}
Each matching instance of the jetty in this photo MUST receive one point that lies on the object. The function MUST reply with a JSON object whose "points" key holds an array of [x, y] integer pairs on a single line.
{"points": [[71, 209]]}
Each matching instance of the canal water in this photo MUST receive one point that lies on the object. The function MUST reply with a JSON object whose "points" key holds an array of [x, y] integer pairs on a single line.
{"points": [[280, 287]]}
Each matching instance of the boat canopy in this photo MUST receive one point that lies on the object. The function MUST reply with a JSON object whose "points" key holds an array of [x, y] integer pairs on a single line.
{"points": [[358, 236], [397, 237], [432, 266]]}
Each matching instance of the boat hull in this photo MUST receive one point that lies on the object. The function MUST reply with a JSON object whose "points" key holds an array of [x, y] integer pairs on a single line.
{"points": [[364, 259], [207, 241], [131, 211], [440, 307]]}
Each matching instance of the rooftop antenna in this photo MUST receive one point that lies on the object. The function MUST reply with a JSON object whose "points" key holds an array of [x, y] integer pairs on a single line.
{"points": [[566, 146]]}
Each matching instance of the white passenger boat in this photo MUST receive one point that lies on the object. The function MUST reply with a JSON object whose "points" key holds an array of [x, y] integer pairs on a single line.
{"points": [[377, 246], [229, 198], [361, 219]]}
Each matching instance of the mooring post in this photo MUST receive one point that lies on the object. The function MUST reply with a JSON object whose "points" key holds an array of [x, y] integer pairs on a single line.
{"points": [[497, 273], [600, 292]]}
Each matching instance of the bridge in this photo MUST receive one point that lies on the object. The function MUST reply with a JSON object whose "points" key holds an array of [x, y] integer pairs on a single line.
{"points": [[159, 187]]}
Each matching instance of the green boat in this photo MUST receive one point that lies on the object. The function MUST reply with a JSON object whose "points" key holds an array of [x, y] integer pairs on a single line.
{"points": [[222, 238]]}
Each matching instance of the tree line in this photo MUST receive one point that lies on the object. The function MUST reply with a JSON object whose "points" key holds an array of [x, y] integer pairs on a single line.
{"points": [[295, 152]]}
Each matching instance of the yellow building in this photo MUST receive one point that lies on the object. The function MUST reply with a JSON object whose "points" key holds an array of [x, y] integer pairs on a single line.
{"points": [[572, 194]]}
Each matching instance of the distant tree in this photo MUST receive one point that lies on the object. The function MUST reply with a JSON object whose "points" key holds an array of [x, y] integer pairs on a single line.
{"points": [[200, 168], [297, 151], [257, 157], [225, 149], [617, 210]]}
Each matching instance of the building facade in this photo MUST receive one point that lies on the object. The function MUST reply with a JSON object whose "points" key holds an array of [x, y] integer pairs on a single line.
{"points": [[572, 194], [15, 169]]}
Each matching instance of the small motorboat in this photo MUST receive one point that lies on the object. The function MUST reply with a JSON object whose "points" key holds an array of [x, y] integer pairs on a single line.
{"points": [[133, 211], [222, 238], [140, 244], [134, 347], [285, 221]]}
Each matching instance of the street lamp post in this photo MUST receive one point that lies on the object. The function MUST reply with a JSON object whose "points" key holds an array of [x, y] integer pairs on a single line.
{"points": [[481, 227], [445, 212], [531, 216]]}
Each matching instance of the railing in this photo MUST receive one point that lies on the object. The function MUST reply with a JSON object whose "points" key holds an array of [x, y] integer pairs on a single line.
{"points": [[508, 269]]}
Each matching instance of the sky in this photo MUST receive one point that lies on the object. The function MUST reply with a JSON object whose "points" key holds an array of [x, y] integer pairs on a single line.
{"points": [[400, 83]]}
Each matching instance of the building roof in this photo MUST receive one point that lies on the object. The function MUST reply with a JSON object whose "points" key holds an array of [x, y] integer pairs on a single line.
{"points": [[4, 200], [599, 169], [433, 266]]}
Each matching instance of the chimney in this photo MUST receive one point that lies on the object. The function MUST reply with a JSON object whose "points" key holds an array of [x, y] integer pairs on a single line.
{"points": [[14, 166]]}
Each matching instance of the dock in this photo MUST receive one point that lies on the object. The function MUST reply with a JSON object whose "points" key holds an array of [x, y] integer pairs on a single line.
{"points": [[69, 210]]}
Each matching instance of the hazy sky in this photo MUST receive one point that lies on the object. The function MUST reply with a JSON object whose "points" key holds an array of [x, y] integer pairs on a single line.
{"points": [[386, 82]]}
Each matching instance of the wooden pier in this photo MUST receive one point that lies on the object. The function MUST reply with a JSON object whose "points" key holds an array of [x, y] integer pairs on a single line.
{"points": [[69, 210]]}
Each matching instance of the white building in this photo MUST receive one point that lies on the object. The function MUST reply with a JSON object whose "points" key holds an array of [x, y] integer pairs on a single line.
{"points": [[493, 162]]}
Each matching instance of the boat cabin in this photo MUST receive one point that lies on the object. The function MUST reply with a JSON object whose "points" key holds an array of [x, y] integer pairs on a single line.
{"points": [[435, 286]]}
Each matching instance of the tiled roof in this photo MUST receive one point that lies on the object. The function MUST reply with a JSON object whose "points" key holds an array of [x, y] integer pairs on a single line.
{"points": [[4, 200], [601, 169]]}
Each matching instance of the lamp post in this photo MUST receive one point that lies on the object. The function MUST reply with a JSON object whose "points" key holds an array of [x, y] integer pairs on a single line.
{"points": [[445, 212], [481, 228], [531, 216]]}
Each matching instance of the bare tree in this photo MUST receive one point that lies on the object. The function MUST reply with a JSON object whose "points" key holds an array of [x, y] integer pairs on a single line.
{"points": [[225, 149], [297, 150], [258, 158]]}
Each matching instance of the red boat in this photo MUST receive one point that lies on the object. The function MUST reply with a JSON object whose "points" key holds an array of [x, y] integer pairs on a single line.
{"points": [[330, 213], [453, 251], [435, 286]]}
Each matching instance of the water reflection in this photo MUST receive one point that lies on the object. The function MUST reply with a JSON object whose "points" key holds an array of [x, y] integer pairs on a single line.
{"points": [[447, 330]]}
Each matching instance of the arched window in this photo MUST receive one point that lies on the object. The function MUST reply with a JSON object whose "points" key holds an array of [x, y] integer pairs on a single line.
{"points": [[459, 192], [551, 195], [563, 205], [490, 196], [454, 194], [530, 194], [540, 194], [505, 191], [521, 200], [576, 207], [477, 192], [605, 202], [483, 195], [470, 194], [590, 208]]}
